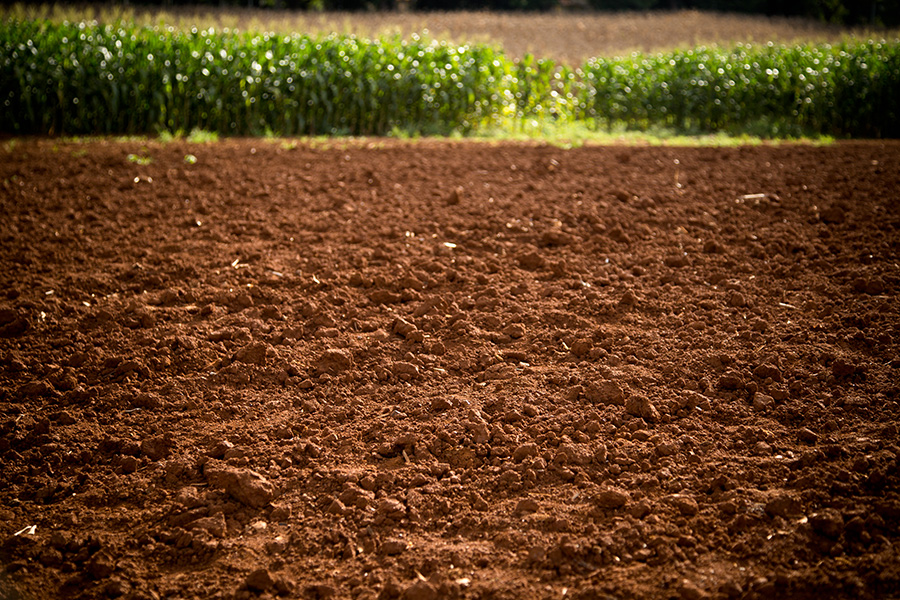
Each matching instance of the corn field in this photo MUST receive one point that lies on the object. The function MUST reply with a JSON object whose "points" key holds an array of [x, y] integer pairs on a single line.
{"points": [[86, 78], [83, 78], [844, 90]]}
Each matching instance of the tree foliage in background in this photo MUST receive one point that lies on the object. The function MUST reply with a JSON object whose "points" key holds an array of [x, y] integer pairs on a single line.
{"points": [[838, 12]]}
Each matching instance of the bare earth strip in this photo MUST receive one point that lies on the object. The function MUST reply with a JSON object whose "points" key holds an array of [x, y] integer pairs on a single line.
{"points": [[441, 370], [566, 38]]}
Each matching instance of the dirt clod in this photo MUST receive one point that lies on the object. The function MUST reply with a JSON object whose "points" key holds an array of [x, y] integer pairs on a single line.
{"points": [[784, 505], [763, 402], [214, 525], [531, 261], [641, 406], [157, 447], [685, 504], [244, 485], [731, 380], [334, 361], [611, 498], [420, 590], [253, 354], [260, 580], [605, 392], [828, 522], [394, 546], [527, 505]]}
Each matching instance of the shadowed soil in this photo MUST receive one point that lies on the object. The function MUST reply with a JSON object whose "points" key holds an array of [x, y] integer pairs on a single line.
{"points": [[448, 370]]}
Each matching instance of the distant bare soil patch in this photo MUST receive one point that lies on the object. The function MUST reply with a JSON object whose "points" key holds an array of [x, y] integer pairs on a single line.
{"points": [[573, 38], [569, 38]]}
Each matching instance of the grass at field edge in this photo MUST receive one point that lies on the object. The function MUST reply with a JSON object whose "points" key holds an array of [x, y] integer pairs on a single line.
{"points": [[622, 138]]}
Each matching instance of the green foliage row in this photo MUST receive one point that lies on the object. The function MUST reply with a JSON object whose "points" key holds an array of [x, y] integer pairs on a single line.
{"points": [[118, 79], [86, 78], [852, 89]]}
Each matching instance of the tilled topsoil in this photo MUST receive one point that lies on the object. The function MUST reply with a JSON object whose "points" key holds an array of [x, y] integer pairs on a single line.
{"points": [[448, 370]]}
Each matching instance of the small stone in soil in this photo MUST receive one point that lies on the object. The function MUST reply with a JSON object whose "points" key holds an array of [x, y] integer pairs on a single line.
{"points": [[664, 449], [768, 371], [391, 508], [12, 324], [452, 199], [833, 215], [737, 299], [762, 448], [321, 591], [129, 464], [711, 247], [64, 417], [280, 513], [385, 297], [688, 590], [514, 330], [115, 588], [676, 261], [146, 400], [404, 328], [101, 565], [276, 546], [581, 348]]}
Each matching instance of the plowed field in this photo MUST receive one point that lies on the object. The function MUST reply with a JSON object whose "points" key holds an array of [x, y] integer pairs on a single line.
{"points": [[448, 370]]}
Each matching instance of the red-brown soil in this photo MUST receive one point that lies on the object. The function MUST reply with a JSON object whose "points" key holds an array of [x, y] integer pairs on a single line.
{"points": [[449, 370]]}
